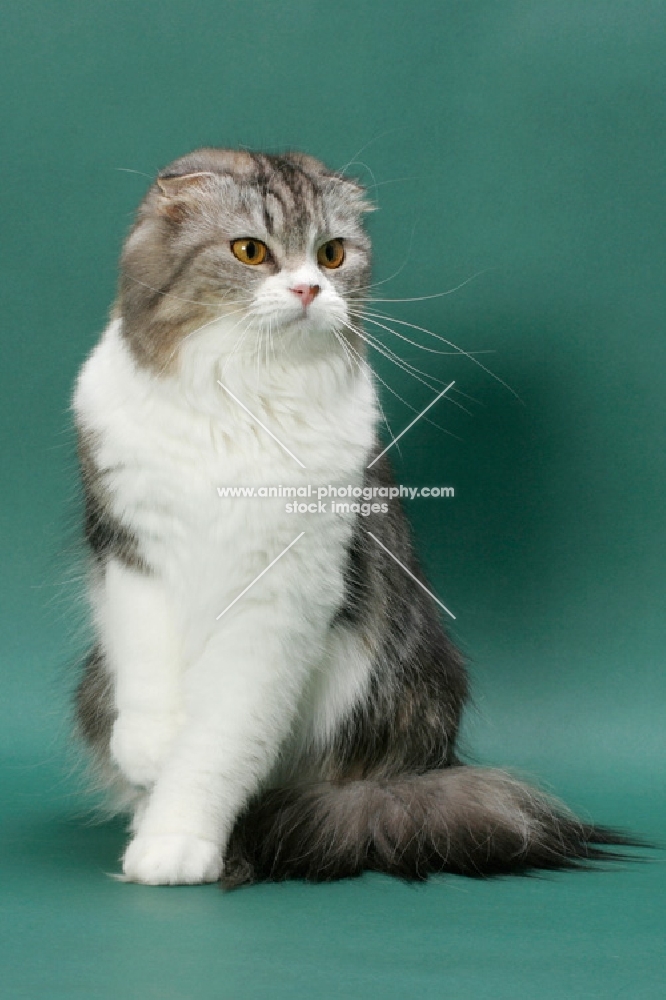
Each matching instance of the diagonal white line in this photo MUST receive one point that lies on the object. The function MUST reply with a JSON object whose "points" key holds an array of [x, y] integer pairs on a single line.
{"points": [[283, 446], [409, 426], [259, 577], [409, 573]]}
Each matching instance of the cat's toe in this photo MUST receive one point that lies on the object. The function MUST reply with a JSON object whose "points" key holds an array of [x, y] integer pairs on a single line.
{"points": [[172, 859]]}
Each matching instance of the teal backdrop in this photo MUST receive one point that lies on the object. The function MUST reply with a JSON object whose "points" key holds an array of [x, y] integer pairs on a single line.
{"points": [[516, 146]]}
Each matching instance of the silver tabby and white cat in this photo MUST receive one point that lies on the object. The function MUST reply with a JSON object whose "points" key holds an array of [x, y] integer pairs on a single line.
{"points": [[307, 729]]}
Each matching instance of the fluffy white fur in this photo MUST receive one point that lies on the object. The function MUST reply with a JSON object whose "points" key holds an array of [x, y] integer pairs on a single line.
{"points": [[208, 710]]}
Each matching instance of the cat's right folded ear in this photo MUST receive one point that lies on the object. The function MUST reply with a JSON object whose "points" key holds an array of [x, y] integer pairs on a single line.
{"points": [[179, 190]]}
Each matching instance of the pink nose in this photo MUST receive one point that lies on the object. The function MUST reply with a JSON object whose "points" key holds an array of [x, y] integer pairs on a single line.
{"points": [[306, 293]]}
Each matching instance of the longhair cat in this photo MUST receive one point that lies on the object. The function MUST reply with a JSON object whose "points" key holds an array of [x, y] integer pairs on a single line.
{"points": [[270, 693]]}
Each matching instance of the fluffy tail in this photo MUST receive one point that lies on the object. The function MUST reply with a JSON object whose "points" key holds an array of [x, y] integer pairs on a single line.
{"points": [[466, 820]]}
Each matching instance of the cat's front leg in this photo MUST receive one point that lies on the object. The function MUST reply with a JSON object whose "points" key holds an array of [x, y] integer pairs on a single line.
{"points": [[242, 696], [143, 657], [140, 742]]}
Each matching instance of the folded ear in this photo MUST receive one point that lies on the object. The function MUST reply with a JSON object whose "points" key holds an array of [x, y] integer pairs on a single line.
{"points": [[355, 191], [178, 185], [176, 190]]}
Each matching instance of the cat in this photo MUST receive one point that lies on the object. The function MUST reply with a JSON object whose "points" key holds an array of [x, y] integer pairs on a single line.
{"points": [[270, 694]]}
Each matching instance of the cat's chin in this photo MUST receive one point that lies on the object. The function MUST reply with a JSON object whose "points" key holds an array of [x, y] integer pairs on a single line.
{"points": [[296, 321], [305, 335]]}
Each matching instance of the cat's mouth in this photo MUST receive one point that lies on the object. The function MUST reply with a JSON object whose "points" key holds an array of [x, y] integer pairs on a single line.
{"points": [[302, 320], [299, 321]]}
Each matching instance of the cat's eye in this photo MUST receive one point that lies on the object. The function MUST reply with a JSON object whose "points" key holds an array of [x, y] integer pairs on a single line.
{"points": [[331, 254], [249, 251]]}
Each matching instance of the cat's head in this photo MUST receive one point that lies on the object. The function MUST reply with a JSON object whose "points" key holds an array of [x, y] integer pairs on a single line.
{"points": [[274, 243]]}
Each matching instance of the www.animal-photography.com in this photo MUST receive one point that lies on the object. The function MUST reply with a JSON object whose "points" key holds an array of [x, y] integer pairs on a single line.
{"points": [[334, 475]]}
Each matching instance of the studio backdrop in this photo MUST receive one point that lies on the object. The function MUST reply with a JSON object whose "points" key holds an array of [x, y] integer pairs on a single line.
{"points": [[515, 152]]}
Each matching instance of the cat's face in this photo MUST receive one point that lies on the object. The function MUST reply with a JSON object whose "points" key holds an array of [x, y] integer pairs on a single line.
{"points": [[275, 243]]}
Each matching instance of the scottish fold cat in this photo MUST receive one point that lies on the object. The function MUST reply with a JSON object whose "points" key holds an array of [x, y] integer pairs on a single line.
{"points": [[271, 693]]}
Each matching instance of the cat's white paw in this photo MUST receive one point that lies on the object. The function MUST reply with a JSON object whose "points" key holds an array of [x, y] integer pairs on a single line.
{"points": [[140, 742], [172, 859]]}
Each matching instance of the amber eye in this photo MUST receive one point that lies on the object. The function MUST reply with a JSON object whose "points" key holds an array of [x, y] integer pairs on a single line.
{"points": [[249, 251], [331, 254]]}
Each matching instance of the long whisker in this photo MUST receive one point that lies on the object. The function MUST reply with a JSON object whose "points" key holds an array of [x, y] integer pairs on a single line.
{"points": [[257, 346], [369, 317], [363, 148], [192, 333], [395, 274], [390, 356], [472, 399], [439, 295], [239, 341], [398, 396], [179, 298], [362, 315], [397, 357], [392, 180], [405, 366], [363, 368], [359, 163], [128, 170], [270, 339], [343, 344], [267, 344], [467, 354], [403, 361]]}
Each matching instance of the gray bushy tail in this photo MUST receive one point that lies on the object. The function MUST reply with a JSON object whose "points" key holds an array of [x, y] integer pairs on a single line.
{"points": [[467, 820]]}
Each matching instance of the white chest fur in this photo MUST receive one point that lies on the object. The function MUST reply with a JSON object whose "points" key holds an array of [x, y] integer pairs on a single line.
{"points": [[168, 444]]}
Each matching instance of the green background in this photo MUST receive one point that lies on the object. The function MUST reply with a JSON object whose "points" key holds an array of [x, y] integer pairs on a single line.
{"points": [[524, 140]]}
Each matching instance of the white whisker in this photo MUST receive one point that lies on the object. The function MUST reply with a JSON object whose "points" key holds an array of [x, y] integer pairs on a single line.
{"points": [[398, 396], [370, 318], [392, 180], [395, 274], [439, 295], [369, 143], [192, 333], [467, 354], [467, 396], [179, 298], [128, 170], [392, 356], [367, 316], [364, 368], [405, 366], [239, 341]]}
